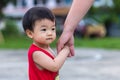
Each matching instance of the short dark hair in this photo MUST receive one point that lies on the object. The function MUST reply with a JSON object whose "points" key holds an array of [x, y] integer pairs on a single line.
{"points": [[34, 14]]}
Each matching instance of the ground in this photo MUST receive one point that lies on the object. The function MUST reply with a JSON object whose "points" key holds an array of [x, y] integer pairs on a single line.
{"points": [[87, 64]]}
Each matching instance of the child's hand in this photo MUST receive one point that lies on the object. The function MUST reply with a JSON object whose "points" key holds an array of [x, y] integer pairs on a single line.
{"points": [[66, 49]]}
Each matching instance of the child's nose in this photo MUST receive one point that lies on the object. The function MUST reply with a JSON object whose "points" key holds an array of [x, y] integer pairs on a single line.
{"points": [[49, 32]]}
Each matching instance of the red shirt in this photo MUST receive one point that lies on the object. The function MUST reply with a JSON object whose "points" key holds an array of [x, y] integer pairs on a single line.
{"points": [[34, 72]]}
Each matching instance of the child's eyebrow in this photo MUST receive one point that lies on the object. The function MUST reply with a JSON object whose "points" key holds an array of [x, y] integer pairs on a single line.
{"points": [[53, 25], [43, 25]]}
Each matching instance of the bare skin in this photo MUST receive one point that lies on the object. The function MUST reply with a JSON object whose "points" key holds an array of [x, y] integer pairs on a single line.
{"points": [[77, 11], [43, 35]]}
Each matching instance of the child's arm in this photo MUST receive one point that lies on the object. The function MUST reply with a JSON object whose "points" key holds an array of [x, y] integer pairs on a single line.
{"points": [[46, 62]]}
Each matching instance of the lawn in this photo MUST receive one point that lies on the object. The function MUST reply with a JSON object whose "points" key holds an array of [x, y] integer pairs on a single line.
{"points": [[18, 42], [15, 42], [108, 43]]}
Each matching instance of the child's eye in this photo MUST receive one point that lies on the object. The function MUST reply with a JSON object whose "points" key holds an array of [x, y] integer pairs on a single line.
{"points": [[53, 29], [43, 29]]}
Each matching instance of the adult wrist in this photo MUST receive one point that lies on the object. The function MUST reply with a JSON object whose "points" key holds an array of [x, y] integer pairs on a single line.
{"points": [[68, 29]]}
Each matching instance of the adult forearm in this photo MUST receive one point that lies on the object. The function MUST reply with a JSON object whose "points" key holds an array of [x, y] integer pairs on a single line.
{"points": [[77, 11]]}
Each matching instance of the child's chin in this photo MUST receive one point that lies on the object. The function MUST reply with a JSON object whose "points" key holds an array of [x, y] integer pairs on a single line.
{"points": [[49, 42]]}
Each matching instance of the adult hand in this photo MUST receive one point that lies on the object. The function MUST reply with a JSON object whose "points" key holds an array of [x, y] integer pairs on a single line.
{"points": [[66, 39]]}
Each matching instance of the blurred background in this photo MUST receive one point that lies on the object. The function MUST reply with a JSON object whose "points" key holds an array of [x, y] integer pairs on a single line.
{"points": [[100, 27], [97, 40]]}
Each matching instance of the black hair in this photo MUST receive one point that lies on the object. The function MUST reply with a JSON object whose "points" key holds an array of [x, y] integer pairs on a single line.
{"points": [[34, 14]]}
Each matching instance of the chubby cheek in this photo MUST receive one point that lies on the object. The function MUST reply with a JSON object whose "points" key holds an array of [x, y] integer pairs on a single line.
{"points": [[54, 36], [39, 39]]}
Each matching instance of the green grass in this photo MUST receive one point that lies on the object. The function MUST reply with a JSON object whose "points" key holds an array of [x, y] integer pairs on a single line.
{"points": [[108, 43], [18, 42]]}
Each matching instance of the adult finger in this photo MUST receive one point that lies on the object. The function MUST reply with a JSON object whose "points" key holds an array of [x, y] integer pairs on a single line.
{"points": [[72, 51]]}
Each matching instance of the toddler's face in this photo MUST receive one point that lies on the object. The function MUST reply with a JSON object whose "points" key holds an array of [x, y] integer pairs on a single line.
{"points": [[44, 31]]}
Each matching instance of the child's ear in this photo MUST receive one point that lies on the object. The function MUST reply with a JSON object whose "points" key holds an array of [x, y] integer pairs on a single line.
{"points": [[29, 33]]}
